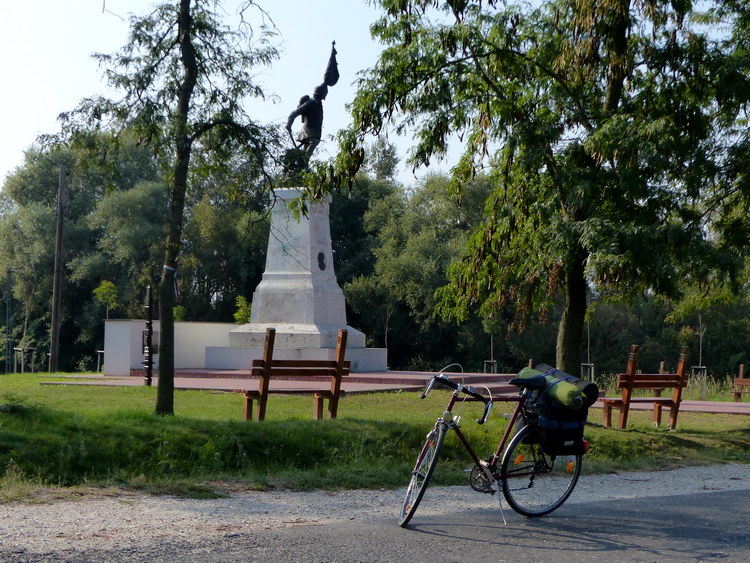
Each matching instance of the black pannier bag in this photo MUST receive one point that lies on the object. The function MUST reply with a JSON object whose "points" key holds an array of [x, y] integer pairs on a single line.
{"points": [[561, 426], [560, 429]]}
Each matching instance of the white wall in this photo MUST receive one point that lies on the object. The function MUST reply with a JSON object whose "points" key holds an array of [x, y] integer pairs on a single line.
{"points": [[123, 344]]}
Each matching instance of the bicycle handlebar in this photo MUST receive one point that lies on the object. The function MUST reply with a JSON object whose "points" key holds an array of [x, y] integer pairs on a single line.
{"points": [[467, 389]]}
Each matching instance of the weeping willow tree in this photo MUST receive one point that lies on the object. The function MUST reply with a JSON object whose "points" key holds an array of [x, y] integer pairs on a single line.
{"points": [[609, 128]]}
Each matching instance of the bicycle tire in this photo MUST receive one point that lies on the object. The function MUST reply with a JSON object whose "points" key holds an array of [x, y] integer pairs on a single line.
{"points": [[422, 473], [534, 483]]}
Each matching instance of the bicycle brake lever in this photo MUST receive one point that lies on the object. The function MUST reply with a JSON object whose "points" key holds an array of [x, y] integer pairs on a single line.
{"points": [[486, 414]]}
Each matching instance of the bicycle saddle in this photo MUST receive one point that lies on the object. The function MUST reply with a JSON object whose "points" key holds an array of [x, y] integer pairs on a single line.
{"points": [[534, 382]]}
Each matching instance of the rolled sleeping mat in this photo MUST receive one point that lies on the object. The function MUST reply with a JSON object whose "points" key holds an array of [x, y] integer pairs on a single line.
{"points": [[565, 393], [589, 389]]}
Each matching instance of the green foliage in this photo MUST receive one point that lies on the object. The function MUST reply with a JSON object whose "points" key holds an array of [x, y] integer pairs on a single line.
{"points": [[115, 228], [179, 313], [608, 133], [413, 239], [106, 294], [646, 322], [28, 225], [351, 238], [242, 314], [223, 256]]}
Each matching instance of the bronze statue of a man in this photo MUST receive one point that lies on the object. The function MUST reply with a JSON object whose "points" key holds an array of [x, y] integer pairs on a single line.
{"points": [[311, 110]]}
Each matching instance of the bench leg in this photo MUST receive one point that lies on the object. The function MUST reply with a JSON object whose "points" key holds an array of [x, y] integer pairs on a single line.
{"points": [[248, 412], [657, 415], [318, 406], [249, 406], [737, 396], [673, 412], [607, 415], [333, 407], [623, 420], [262, 408]]}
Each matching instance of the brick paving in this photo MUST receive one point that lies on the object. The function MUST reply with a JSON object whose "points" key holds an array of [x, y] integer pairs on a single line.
{"points": [[239, 380], [355, 383]]}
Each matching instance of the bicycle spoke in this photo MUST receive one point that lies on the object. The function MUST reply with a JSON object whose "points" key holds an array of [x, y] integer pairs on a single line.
{"points": [[535, 484]]}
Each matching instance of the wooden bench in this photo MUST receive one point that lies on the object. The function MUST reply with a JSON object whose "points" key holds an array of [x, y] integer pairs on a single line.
{"points": [[657, 382], [324, 374], [741, 384]]}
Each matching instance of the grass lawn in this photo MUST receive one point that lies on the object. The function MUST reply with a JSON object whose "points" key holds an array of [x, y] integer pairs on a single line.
{"points": [[71, 436]]}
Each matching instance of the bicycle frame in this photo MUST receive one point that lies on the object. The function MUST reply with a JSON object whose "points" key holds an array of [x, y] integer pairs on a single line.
{"points": [[453, 424]]}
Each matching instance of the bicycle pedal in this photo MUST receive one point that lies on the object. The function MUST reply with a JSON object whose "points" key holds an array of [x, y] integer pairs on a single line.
{"points": [[482, 478]]}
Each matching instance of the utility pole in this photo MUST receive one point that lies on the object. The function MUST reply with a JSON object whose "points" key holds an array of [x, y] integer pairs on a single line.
{"points": [[57, 279]]}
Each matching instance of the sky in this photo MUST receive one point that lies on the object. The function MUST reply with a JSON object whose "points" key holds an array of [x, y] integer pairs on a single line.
{"points": [[48, 66]]}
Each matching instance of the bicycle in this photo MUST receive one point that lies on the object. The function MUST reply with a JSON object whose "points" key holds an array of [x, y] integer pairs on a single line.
{"points": [[533, 482]]}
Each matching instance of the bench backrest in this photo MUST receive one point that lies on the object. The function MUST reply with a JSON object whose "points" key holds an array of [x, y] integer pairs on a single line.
{"points": [[741, 379], [657, 382], [268, 367]]}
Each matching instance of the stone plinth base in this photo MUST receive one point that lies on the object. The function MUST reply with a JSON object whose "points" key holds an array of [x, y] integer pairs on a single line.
{"points": [[241, 357], [295, 336]]}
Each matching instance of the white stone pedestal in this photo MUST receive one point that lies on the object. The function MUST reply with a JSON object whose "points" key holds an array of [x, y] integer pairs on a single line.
{"points": [[299, 295]]}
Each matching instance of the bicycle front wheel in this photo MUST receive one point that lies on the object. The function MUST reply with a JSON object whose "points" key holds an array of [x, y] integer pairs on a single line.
{"points": [[422, 473], [535, 484]]}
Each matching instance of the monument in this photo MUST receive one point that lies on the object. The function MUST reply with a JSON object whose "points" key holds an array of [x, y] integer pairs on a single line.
{"points": [[299, 295]]}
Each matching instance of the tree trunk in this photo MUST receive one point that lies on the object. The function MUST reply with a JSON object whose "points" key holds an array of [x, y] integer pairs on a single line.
{"points": [[618, 41], [570, 331], [183, 146], [165, 388]]}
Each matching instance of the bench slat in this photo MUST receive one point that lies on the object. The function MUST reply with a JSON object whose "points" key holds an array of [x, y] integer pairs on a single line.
{"points": [[662, 400], [650, 384], [301, 363], [298, 372], [320, 392]]}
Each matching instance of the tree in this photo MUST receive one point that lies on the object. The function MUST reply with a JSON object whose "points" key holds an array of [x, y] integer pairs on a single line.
{"points": [[27, 224], [223, 257], [351, 239], [242, 314], [415, 237], [130, 229], [184, 76], [106, 294], [606, 126]]}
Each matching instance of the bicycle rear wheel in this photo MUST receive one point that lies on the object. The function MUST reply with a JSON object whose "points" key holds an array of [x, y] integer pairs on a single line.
{"points": [[422, 472], [535, 484]]}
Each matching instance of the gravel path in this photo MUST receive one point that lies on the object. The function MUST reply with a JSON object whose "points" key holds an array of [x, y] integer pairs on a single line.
{"points": [[130, 520]]}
